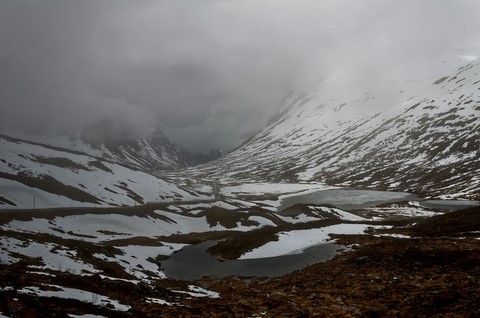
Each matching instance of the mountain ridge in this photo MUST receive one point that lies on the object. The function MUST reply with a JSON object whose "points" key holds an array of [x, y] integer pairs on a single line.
{"points": [[428, 143], [42, 176]]}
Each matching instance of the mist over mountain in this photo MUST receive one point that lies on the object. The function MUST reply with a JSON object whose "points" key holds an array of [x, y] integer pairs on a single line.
{"points": [[210, 75], [428, 142], [247, 158]]}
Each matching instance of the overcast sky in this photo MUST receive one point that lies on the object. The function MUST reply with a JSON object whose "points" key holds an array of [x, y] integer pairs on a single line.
{"points": [[210, 73]]}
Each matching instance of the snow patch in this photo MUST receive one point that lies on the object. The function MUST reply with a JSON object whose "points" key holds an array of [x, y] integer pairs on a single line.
{"points": [[199, 292], [294, 242], [78, 294]]}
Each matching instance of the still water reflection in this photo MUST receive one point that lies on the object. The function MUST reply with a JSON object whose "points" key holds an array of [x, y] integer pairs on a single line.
{"points": [[193, 262]]}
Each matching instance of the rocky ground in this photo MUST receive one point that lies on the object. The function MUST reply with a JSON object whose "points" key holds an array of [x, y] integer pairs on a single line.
{"points": [[429, 269]]}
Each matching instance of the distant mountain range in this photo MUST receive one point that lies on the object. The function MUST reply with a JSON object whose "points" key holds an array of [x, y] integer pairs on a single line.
{"points": [[427, 143]]}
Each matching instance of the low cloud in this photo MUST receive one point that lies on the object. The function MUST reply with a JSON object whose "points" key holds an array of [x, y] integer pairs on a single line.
{"points": [[209, 73]]}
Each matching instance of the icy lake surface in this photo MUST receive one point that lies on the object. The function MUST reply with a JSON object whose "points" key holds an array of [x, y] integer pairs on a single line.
{"points": [[450, 204], [348, 198]]}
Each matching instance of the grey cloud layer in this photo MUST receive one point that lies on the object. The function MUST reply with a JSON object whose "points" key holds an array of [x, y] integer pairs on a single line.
{"points": [[210, 73]]}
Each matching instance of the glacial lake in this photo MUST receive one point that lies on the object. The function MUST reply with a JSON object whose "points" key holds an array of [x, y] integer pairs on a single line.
{"points": [[194, 262], [351, 199]]}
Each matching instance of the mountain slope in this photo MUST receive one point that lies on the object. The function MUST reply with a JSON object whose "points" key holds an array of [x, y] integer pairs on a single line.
{"points": [[36, 175], [429, 143], [114, 142], [152, 152]]}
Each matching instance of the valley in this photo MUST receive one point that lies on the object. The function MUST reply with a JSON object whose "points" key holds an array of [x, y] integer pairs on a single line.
{"points": [[239, 159], [327, 211], [195, 258]]}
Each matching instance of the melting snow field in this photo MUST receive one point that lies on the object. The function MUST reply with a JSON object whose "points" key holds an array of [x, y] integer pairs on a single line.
{"points": [[141, 241], [294, 242], [106, 227], [99, 182], [101, 228], [136, 259], [55, 257], [77, 294], [199, 292]]}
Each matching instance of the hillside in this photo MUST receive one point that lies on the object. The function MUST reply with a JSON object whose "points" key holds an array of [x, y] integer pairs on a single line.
{"points": [[427, 143], [34, 175], [115, 142]]}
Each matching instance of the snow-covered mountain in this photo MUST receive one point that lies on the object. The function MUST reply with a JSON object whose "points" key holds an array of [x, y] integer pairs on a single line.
{"points": [[113, 141], [151, 152], [41, 176], [428, 142]]}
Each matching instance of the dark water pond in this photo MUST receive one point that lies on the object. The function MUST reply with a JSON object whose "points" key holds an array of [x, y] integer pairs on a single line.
{"points": [[194, 262]]}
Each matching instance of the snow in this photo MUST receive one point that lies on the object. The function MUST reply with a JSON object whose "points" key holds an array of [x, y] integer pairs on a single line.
{"points": [[188, 224], [174, 208], [111, 184], [133, 281], [224, 205], [203, 206], [85, 316], [166, 158], [54, 257], [5, 257], [100, 228], [405, 211], [342, 215], [41, 273], [96, 225], [7, 288], [23, 196], [199, 292], [273, 188], [261, 220], [401, 236], [159, 301], [294, 242], [243, 203], [281, 190], [78, 294], [314, 138], [268, 204], [301, 218], [135, 258]]}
